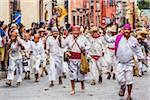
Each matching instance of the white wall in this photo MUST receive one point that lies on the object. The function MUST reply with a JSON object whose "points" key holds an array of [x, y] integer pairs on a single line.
{"points": [[30, 11], [4, 11], [49, 8]]}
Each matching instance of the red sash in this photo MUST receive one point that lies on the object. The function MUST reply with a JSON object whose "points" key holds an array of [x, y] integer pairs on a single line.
{"points": [[111, 48], [75, 55], [95, 57]]}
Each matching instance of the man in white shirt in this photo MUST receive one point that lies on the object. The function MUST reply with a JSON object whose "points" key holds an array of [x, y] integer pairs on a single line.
{"points": [[76, 43], [43, 41], [126, 48], [15, 60], [111, 68], [37, 53], [55, 57], [96, 53], [26, 55]]}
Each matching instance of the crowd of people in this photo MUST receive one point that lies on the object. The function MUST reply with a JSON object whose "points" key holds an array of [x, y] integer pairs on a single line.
{"points": [[42, 50]]}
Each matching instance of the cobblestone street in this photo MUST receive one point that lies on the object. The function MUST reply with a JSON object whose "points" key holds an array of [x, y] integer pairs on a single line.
{"points": [[108, 90]]}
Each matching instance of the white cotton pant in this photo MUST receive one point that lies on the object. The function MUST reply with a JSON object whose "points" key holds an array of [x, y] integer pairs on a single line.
{"points": [[59, 65], [74, 70], [95, 67], [15, 64], [35, 63], [65, 67], [124, 74], [112, 64], [140, 65], [51, 69], [27, 68]]}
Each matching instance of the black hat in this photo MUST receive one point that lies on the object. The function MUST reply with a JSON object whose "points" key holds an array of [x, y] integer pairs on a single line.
{"points": [[1, 23]]}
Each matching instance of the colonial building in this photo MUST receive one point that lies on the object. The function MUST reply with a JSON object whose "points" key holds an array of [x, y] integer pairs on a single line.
{"points": [[80, 12], [92, 12], [32, 10]]}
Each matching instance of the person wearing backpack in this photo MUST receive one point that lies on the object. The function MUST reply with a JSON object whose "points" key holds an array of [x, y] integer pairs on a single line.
{"points": [[126, 47]]}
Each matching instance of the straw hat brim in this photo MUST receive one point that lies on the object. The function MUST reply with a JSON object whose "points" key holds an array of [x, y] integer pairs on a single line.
{"points": [[143, 32]]}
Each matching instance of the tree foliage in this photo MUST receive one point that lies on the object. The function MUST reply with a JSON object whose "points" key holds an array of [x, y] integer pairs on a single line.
{"points": [[143, 4]]}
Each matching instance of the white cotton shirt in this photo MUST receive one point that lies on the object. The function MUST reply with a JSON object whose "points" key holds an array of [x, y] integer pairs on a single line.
{"points": [[127, 49], [96, 46], [52, 45], [26, 44], [15, 51], [37, 49], [82, 42]]}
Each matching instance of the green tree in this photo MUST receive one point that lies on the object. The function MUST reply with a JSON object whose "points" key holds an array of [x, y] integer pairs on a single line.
{"points": [[143, 4]]}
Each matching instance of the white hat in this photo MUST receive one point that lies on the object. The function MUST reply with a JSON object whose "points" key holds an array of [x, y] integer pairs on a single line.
{"points": [[100, 30], [93, 29], [54, 29], [108, 29], [13, 25], [17, 31]]}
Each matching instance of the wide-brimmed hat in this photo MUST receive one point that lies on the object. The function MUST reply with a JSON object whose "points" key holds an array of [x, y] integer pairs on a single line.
{"points": [[41, 30], [55, 29], [13, 25], [113, 28], [143, 31], [139, 37], [94, 29]]}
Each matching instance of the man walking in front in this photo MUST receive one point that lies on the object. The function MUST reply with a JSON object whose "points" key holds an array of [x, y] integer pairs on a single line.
{"points": [[126, 48]]}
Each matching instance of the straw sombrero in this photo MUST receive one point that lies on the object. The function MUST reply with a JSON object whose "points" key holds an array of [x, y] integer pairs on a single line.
{"points": [[143, 31]]}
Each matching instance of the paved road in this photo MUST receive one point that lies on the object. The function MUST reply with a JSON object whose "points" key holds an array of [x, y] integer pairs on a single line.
{"points": [[108, 90]]}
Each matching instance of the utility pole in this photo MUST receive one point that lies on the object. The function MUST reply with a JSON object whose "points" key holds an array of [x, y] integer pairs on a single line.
{"points": [[133, 15]]}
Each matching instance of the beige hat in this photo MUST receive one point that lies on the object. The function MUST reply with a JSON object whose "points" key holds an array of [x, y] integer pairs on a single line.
{"points": [[94, 29], [41, 30], [81, 29], [100, 30], [108, 29], [13, 25], [139, 37], [143, 31], [113, 28]]}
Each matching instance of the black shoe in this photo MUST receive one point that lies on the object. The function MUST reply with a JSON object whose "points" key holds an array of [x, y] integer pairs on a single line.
{"points": [[46, 73], [93, 83], [8, 84], [100, 79], [41, 75], [25, 77], [51, 85], [18, 84], [142, 73], [29, 77], [114, 76], [60, 81], [122, 90], [109, 76], [64, 75]]}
